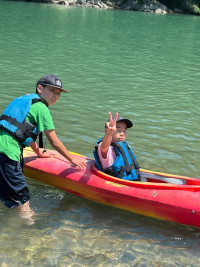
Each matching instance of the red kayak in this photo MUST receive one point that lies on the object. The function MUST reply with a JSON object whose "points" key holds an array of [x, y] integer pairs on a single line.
{"points": [[164, 196]]}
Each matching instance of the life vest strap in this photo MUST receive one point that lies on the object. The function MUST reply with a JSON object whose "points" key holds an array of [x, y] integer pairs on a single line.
{"points": [[12, 121], [24, 129], [135, 164]]}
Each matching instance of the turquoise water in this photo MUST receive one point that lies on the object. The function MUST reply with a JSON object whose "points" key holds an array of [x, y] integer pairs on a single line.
{"points": [[144, 66]]}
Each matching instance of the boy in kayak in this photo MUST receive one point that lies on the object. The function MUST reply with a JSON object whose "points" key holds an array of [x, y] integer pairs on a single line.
{"points": [[112, 154], [20, 124], [115, 157]]}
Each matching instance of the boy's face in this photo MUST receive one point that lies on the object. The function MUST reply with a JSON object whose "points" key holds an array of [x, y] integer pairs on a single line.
{"points": [[49, 94], [121, 131]]}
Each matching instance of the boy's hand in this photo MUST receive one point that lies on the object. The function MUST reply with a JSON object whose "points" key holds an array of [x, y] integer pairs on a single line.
{"points": [[111, 124], [45, 154], [78, 163]]}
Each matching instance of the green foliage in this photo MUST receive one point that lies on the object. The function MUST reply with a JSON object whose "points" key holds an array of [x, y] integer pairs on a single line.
{"points": [[180, 3], [141, 2], [197, 8], [171, 3]]}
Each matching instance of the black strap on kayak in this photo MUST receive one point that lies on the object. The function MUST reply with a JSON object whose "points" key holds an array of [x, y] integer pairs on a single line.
{"points": [[41, 145]]}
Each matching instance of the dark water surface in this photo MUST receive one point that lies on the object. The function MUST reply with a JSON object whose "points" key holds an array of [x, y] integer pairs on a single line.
{"points": [[144, 66]]}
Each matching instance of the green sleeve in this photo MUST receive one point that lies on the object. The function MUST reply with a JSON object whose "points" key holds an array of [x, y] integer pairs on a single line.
{"points": [[40, 115]]}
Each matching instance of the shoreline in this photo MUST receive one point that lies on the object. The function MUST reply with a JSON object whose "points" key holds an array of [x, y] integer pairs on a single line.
{"points": [[153, 6]]}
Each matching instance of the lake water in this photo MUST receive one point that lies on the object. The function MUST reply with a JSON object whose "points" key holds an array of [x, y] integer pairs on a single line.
{"points": [[144, 66]]}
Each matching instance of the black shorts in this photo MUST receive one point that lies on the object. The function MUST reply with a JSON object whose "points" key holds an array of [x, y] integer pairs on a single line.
{"points": [[13, 187]]}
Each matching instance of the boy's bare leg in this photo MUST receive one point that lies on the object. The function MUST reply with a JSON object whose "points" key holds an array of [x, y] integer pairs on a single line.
{"points": [[25, 211]]}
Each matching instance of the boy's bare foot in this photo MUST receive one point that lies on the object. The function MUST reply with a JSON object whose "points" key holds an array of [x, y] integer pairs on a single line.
{"points": [[25, 212]]}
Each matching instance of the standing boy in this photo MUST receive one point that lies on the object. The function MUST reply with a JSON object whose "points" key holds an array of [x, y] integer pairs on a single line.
{"points": [[112, 154], [20, 125]]}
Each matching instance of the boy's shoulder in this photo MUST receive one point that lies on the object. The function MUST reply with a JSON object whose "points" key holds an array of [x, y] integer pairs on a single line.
{"points": [[37, 106], [39, 110]]}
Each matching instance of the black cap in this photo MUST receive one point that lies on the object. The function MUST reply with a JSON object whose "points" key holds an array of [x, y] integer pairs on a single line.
{"points": [[127, 121], [51, 80]]}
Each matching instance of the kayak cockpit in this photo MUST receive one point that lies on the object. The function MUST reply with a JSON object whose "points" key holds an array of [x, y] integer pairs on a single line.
{"points": [[155, 179]]}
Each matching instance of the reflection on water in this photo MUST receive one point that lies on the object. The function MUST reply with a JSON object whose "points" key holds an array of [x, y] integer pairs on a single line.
{"points": [[146, 67]]}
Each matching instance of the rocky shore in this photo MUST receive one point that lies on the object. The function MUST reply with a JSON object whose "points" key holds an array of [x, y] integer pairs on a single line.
{"points": [[185, 7]]}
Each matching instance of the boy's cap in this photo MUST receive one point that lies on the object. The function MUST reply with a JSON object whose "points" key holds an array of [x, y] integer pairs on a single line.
{"points": [[52, 80], [127, 121]]}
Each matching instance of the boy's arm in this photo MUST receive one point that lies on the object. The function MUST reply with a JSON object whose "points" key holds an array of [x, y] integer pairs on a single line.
{"points": [[59, 146], [39, 151], [109, 130], [106, 142]]}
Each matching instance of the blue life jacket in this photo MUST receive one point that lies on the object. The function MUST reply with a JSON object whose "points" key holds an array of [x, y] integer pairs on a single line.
{"points": [[125, 165], [13, 119]]}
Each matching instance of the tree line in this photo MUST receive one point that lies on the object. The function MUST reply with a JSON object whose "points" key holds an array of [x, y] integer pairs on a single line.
{"points": [[182, 4]]}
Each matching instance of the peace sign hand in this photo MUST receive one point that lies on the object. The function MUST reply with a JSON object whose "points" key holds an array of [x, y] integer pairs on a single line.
{"points": [[111, 124]]}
